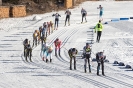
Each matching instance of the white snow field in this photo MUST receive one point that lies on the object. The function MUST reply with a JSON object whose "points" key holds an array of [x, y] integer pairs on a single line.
{"points": [[116, 40]]}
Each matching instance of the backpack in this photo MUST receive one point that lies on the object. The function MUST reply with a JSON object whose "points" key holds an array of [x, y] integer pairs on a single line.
{"points": [[99, 25]]}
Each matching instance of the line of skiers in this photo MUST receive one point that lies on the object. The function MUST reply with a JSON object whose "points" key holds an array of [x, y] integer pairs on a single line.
{"points": [[39, 35], [100, 57], [46, 50], [68, 14], [67, 19], [50, 26]]}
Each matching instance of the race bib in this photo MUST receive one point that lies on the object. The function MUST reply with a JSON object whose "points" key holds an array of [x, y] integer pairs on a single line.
{"points": [[87, 52]]}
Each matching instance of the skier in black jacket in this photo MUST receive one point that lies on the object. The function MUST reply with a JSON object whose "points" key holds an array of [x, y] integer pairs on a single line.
{"points": [[56, 19], [87, 55], [100, 61], [68, 13], [72, 54]]}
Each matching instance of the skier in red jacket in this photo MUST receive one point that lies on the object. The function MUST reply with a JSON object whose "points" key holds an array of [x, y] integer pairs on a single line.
{"points": [[57, 44]]}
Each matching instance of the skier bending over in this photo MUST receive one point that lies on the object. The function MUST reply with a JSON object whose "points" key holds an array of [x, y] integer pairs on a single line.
{"points": [[46, 51], [27, 49], [100, 61], [72, 54], [57, 44]]}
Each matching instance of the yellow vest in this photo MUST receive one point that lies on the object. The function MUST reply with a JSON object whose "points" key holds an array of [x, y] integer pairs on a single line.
{"points": [[99, 29]]}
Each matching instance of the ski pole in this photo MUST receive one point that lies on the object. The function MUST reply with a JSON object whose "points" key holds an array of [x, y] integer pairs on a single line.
{"points": [[92, 64], [93, 53], [65, 48]]}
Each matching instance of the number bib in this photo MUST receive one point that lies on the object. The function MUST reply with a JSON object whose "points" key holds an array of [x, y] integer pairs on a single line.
{"points": [[87, 52]]}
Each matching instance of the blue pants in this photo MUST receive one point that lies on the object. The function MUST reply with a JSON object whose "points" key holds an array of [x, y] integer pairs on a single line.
{"points": [[101, 13]]}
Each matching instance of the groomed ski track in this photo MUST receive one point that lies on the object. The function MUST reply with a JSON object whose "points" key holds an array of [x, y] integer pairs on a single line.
{"points": [[61, 64]]}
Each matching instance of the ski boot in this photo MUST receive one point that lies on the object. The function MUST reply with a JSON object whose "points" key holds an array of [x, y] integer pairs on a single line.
{"points": [[85, 68], [46, 60], [50, 60]]}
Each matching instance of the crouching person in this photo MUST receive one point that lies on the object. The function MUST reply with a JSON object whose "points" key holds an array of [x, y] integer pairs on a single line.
{"points": [[100, 57], [27, 49], [47, 51], [72, 54]]}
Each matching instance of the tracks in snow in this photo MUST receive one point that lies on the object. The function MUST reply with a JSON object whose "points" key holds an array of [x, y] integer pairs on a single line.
{"points": [[64, 64]]}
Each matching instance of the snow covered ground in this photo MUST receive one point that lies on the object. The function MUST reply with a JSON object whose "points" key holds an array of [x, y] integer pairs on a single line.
{"points": [[116, 40]]}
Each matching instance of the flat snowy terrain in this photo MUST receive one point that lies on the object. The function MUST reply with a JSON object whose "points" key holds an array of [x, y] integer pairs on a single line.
{"points": [[116, 40]]}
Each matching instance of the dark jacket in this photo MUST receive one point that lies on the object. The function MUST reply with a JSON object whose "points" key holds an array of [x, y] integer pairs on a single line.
{"points": [[100, 57], [72, 52]]}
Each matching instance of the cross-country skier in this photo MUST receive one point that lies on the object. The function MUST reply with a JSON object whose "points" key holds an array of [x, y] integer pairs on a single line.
{"points": [[36, 37], [101, 12], [44, 33], [98, 28], [56, 20], [27, 49], [72, 54], [51, 26], [87, 55], [25, 43], [57, 44], [100, 61], [68, 13], [40, 30], [84, 14], [48, 28], [46, 51]]}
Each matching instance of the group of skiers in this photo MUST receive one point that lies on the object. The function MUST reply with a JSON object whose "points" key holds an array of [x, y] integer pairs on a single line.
{"points": [[47, 50], [67, 19], [41, 35], [46, 29], [87, 51], [68, 13], [57, 15], [100, 57]]}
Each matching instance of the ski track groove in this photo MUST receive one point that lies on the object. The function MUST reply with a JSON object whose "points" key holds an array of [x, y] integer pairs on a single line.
{"points": [[110, 78], [77, 76]]}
